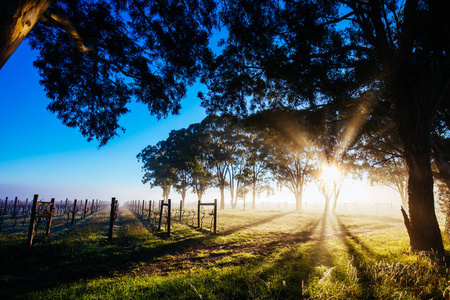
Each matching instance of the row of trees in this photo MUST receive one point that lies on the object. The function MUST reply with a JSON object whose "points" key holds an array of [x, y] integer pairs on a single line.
{"points": [[248, 155], [216, 152], [386, 57]]}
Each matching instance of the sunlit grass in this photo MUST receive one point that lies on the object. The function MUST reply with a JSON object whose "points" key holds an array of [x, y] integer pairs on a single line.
{"points": [[255, 255]]}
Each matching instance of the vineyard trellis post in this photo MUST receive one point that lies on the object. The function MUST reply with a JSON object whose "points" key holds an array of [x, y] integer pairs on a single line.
{"points": [[14, 209], [3, 213], [32, 220], [50, 217], [169, 215], [85, 208], [92, 206], [214, 213], [112, 217], [47, 214], [198, 214], [161, 202], [25, 212], [6, 203], [65, 206], [74, 212], [181, 209], [149, 209]]}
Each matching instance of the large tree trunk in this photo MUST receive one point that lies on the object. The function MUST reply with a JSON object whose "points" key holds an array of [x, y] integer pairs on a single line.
{"points": [[414, 128], [17, 18], [183, 197], [327, 204], [222, 197], [424, 229], [299, 199], [333, 209], [254, 194]]}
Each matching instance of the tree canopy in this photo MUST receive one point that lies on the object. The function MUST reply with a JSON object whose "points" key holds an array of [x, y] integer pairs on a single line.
{"points": [[97, 56]]}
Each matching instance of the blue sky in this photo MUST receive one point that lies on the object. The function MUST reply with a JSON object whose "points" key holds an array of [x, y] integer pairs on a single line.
{"points": [[38, 154]]}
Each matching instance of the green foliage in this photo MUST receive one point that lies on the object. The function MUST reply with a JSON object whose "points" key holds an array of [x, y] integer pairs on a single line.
{"points": [[144, 50]]}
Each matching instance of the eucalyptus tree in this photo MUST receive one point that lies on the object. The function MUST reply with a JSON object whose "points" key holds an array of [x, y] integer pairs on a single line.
{"points": [[237, 156], [179, 144], [393, 174], [307, 53], [330, 177], [227, 155], [157, 167], [295, 162], [238, 170], [258, 161], [97, 56], [218, 153], [380, 150], [293, 155], [335, 138], [201, 176]]}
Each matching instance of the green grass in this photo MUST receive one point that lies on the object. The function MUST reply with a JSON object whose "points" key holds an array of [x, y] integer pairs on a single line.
{"points": [[255, 255]]}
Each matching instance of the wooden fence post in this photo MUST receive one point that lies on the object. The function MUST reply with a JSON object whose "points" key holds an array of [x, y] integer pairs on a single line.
{"points": [[6, 206], [85, 208], [74, 212], [215, 215], [198, 214], [65, 206], [50, 216], [181, 208], [3, 213], [32, 220], [26, 212], [149, 209], [160, 213], [14, 213], [112, 217], [169, 216], [14, 209]]}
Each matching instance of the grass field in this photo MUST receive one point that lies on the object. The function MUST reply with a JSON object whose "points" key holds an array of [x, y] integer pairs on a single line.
{"points": [[255, 255]]}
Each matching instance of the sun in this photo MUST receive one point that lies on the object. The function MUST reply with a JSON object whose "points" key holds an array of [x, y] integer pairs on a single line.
{"points": [[330, 174]]}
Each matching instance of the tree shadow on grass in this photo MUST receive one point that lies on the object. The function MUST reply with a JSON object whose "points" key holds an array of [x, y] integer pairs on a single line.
{"points": [[80, 256], [292, 265], [49, 265], [255, 224], [359, 252]]}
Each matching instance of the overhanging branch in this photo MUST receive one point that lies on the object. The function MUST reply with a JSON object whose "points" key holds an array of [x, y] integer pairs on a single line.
{"points": [[58, 18]]}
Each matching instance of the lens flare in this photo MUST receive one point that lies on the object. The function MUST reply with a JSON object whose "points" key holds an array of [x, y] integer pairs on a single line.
{"points": [[330, 174]]}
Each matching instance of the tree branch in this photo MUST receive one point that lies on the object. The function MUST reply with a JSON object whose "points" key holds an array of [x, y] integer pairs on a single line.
{"points": [[58, 18]]}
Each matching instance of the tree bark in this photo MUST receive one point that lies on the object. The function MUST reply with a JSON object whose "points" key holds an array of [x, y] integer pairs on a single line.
{"points": [[222, 197], [299, 199], [327, 204], [17, 18], [424, 234], [333, 209], [414, 128], [254, 194]]}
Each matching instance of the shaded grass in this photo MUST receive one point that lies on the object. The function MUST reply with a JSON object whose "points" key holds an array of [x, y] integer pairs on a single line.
{"points": [[256, 255]]}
